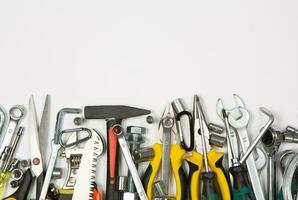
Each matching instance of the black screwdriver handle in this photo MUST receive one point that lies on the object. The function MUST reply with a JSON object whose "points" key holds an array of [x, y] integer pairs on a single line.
{"points": [[209, 188], [242, 189]]}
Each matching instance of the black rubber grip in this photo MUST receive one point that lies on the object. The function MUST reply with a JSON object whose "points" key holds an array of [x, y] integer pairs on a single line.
{"points": [[39, 184], [146, 177], [242, 189], [192, 169], [209, 187], [183, 181]]}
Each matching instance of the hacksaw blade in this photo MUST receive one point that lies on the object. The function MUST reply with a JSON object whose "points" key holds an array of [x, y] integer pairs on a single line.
{"points": [[83, 189]]}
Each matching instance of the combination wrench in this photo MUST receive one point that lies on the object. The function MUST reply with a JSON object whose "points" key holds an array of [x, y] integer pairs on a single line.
{"points": [[16, 113], [239, 118], [117, 130]]}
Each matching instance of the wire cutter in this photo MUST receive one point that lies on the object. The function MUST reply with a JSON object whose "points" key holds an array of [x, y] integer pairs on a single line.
{"points": [[205, 157], [38, 131], [166, 155]]}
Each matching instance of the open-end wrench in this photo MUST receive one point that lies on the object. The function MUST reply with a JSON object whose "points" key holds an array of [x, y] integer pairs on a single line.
{"points": [[238, 118], [233, 138], [3, 119], [16, 113], [55, 148], [117, 130]]}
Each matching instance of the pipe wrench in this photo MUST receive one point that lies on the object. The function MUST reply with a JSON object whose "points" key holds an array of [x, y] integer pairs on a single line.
{"points": [[238, 118]]}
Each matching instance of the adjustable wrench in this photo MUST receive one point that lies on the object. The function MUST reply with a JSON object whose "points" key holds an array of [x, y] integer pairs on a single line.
{"points": [[55, 149], [117, 130]]}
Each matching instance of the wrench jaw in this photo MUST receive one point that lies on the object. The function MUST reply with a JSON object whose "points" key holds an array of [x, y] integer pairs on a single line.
{"points": [[239, 121], [238, 101]]}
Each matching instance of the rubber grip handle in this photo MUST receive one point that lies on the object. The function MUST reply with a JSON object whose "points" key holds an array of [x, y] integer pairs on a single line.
{"points": [[242, 189], [112, 161], [195, 162], [39, 184], [152, 170], [215, 163], [209, 186], [96, 194], [23, 190], [176, 154]]}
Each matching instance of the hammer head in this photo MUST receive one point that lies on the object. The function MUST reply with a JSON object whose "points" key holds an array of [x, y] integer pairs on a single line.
{"points": [[113, 112]]}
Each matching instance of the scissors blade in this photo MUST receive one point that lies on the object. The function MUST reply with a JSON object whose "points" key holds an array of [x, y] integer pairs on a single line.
{"points": [[35, 154], [44, 128]]}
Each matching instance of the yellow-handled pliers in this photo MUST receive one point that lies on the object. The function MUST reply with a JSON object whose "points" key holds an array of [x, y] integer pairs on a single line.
{"points": [[213, 159], [167, 156]]}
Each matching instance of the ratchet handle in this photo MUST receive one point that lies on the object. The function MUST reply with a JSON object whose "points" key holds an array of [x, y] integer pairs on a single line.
{"points": [[242, 189], [195, 163], [176, 155], [112, 168], [215, 163], [152, 170]]}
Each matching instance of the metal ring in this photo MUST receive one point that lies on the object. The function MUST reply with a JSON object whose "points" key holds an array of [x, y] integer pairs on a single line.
{"points": [[117, 129], [17, 112], [77, 131]]}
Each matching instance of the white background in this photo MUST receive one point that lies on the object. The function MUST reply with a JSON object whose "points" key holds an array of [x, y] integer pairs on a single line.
{"points": [[146, 53]]}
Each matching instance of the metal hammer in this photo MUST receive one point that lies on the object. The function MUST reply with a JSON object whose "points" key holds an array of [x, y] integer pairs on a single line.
{"points": [[113, 114]]}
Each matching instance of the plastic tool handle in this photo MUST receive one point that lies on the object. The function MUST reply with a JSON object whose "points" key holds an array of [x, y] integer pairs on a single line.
{"points": [[215, 163], [242, 189], [177, 153], [195, 162], [112, 168], [209, 187], [152, 170], [23, 190], [39, 184]]}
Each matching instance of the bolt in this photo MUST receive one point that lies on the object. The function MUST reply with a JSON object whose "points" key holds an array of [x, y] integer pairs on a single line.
{"points": [[78, 121], [17, 174], [134, 139], [25, 163], [149, 119], [14, 184], [215, 128]]}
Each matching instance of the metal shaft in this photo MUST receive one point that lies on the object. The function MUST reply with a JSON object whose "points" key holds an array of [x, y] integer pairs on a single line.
{"points": [[271, 177], [226, 122], [13, 147], [165, 163]]}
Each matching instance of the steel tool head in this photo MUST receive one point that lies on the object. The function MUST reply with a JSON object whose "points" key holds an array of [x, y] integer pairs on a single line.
{"points": [[113, 112], [167, 121], [36, 158], [200, 125], [239, 121]]}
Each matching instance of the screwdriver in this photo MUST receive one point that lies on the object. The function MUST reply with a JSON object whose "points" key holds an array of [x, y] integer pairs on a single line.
{"points": [[209, 188], [8, 165], [242, 189]]}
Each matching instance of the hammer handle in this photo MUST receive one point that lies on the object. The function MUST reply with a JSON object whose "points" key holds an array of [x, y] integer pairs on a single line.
{"points": [[112, 168]]}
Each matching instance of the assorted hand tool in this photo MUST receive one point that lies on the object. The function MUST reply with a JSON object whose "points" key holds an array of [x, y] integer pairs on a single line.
{"points": [[193, 159]]}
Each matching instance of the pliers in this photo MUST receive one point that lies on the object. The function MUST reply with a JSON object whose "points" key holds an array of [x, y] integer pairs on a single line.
{"points": [[196, 160], [166, 155]]}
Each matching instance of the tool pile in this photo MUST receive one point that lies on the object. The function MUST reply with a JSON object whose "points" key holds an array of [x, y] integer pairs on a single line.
{"points": [[193, 159]]}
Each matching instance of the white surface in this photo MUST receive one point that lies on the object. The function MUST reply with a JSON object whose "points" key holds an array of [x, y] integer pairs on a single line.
{"points": [[147, 53]]}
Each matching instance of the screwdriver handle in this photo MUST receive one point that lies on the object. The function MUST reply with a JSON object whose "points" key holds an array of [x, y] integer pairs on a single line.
{"points": [[215, 163], [195, 163], [242, 189], [209, 186], [152, 170], [176, 154]]}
